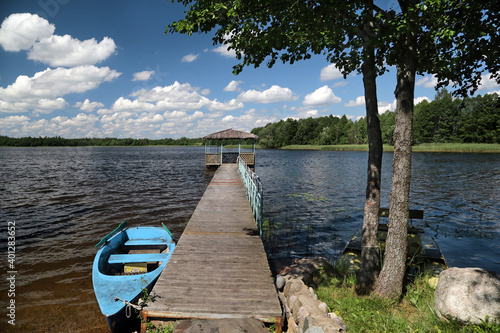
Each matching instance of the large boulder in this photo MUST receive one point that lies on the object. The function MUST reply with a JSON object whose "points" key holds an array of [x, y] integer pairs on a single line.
{"points": [[469, 295]]}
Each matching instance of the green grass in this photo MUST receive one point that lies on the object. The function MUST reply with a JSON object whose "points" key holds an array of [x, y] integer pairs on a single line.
{"points": [[330, 147], [167, 328], [459, 147], [414, 313], [428, 147]]}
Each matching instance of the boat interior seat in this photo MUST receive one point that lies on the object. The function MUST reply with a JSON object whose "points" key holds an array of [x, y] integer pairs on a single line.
{"points": [[137, 258], [413, 214], [147, 242]]}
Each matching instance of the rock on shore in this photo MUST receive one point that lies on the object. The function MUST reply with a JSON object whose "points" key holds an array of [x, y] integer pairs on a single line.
{"points": [[469, 295]]}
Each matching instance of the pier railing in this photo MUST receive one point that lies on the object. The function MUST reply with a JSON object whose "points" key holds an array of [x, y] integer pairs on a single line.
{"points": [[254, 191], [216, 159]]}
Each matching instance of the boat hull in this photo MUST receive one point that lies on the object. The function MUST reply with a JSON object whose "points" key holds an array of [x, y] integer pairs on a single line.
{"points": [[129, 250], [424, 255], [126, 319]]}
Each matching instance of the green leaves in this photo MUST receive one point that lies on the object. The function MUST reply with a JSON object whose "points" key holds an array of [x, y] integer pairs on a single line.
{"points": [[268, 31], [456, 39]]}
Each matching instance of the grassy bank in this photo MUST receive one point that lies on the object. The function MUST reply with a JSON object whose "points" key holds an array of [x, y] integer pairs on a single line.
{"points": [[428, 147], [414, 313], [459, 147]]}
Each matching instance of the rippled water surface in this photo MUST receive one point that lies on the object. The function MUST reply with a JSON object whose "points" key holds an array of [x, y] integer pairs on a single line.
{"points": [[315, 200], [64, 200]]}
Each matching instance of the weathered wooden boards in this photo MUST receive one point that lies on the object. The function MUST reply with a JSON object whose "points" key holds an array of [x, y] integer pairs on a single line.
{"points": [[219, 268]]}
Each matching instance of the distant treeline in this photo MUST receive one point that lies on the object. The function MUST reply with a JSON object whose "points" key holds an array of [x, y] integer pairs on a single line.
{"points": [[444, 120], [58, 141]]}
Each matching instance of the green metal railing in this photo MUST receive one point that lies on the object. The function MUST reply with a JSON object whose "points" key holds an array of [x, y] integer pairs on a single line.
{"points": [[254, 191]]}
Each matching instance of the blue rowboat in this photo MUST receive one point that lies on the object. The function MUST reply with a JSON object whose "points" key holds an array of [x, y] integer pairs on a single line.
{"points": [[128, 262]]}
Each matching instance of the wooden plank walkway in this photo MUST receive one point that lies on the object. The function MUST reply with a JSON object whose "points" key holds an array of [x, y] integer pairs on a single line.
{"points": [[219, 268]]}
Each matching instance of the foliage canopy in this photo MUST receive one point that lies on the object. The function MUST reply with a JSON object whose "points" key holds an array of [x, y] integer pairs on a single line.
{"points": [[457, 39]]}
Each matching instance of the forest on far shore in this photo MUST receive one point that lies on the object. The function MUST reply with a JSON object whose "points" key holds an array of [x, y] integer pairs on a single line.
{"points": [[57, 141], [444, 120]]}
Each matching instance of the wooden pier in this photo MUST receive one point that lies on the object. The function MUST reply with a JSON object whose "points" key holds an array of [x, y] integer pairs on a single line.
{"points": [[219, 268]]}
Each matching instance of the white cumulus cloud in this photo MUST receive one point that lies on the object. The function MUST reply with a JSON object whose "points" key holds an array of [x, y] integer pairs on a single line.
{"points": [[190, 57], [421, 99], [45, 105], [68, 51], [386, 106], [125, 104], [175, 100], [176, 96], [43, 92], [143, 76], [247, 121], [339, 84], [488, 83], [427, 81], [223, 51], [13, 107], [271, 95], [330, 72], [82, 125], [12, 121], [31, 32], [88, 106], [360, 101], [233, 86], [233, 104], [20, 31], [175, 114], [321, 97], [52, 83]]}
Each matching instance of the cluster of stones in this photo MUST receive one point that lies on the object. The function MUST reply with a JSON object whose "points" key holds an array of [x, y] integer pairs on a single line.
{"points": [[304, 312], [467, 295]]}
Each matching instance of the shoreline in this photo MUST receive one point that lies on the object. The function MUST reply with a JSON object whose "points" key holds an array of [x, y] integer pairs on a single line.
{"points": [[489, 148]]}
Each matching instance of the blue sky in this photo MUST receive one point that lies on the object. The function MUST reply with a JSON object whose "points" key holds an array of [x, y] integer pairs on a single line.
{"points": [[98, 68]]}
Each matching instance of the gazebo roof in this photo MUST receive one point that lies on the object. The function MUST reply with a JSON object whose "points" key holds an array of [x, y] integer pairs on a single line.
{"points": [[230, 134]]}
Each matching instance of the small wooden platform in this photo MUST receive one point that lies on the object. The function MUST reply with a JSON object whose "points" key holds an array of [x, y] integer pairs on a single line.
{"points": [[219, 268]]}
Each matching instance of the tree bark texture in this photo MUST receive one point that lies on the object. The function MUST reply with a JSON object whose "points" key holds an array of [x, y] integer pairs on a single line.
{"points": [[370, 259], [390, 281]]}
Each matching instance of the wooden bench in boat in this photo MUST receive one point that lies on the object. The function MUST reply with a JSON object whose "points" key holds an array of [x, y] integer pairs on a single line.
{"points": [[146, 242], [355, 242], [137, 258], [413, 214]]}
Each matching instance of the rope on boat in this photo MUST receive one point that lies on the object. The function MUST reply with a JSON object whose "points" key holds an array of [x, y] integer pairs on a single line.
{"points": [[128, 308]]}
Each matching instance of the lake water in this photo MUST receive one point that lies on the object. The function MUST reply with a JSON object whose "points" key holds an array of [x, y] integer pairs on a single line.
{"points": [[64, 200]]}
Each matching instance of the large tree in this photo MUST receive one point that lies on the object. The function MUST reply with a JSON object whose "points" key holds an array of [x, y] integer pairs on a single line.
{"points": [[417, 36], [456, 40]]}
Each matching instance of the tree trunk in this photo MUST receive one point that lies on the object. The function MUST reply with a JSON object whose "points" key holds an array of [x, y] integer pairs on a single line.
{"points": [[390, 281], [370, 261]]}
